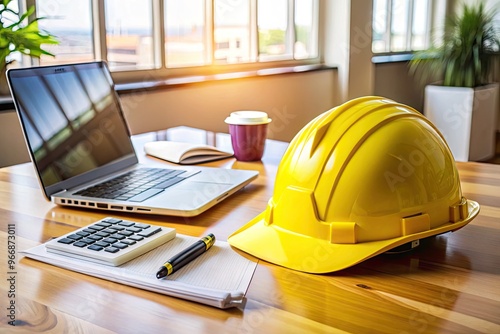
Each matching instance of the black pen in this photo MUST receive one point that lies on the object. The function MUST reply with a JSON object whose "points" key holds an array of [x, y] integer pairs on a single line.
{"points": [[189, 254]]}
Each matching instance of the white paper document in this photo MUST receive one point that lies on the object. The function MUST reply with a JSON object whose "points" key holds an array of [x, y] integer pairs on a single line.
{"points": [[220, 277]]}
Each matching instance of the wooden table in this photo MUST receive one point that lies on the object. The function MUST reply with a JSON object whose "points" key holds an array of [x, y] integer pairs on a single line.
{"points": [[449, 284]]}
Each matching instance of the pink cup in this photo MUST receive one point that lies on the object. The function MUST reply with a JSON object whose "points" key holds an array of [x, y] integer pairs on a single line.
{"points": [[248, 130]]}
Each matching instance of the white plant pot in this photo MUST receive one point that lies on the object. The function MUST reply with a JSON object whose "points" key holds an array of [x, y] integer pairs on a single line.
{"points": [[466, 117]]}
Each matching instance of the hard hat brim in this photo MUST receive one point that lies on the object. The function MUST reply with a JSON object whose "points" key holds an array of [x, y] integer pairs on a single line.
{"points": [[292, 250]]}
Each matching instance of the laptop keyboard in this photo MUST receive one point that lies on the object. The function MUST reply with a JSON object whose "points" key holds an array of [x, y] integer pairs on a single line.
{"points": [[137, 185], [111, 241]]}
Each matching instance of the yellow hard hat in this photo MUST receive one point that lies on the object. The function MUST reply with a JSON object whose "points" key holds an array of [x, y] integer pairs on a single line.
{"points": [[361, 179]]}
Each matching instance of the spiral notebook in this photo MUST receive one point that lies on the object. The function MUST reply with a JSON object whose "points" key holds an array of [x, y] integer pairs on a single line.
{"points": [[219, 277]]}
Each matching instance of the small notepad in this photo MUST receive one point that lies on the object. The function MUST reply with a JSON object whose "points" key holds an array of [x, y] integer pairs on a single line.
{"points": [[184, 153], [220, 277]]}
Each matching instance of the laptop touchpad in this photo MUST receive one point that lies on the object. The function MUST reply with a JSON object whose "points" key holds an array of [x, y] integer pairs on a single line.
{"points": [[215, 176], [205, 187]]}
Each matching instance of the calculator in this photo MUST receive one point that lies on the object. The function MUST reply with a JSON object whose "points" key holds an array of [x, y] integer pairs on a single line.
{"points": [[111, 241]]}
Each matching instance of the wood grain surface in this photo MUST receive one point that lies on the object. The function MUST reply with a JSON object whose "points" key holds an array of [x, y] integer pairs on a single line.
{"points": [[450, 284]]}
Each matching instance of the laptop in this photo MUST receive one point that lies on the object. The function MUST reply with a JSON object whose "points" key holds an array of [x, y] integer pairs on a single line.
{"points": [[80, 145]]}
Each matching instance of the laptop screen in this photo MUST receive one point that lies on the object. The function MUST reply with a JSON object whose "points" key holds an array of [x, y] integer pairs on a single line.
{"points": [[71, 119]]}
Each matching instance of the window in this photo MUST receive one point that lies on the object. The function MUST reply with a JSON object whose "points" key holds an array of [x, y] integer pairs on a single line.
{"points": [[232, 32], [272, 29], [402, 25], [179, 37], [186, 33], [71, 22], [129, 34]]}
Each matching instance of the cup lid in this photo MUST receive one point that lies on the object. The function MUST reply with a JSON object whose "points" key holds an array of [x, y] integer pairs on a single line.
{"points": [[248, 118]]}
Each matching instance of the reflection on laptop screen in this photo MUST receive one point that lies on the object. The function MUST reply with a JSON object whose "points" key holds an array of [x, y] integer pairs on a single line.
{"points": [[71, 118]]}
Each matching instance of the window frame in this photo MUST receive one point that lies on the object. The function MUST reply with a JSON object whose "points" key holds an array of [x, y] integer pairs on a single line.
{"points": [[432, 8], [160, 71]]}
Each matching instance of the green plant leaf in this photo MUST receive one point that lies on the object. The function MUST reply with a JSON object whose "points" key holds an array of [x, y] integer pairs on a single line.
{"points": [[470, 42], [23, 35], [30, 11]]}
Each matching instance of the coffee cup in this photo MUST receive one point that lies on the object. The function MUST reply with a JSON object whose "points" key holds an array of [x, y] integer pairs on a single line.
{"points": [[248, 130]]}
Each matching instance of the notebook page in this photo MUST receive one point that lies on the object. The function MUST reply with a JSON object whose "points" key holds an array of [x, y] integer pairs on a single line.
{"points": [[219, 268]]}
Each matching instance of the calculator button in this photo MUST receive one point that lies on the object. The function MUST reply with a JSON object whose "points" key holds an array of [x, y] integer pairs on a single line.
{"points": [[75, 237], [120, 245], [110, 240], [103, 224], [97, 227], [149, 231], [102, 244], [95, 247], [134, 229], [127, 224], [112, 249], [126, 233], [136, 237], [80, 244], [112, 220], [67, 241]]}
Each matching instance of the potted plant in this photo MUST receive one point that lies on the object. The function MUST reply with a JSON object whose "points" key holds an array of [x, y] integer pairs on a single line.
{"points": [[464, 106], [15, 35]]}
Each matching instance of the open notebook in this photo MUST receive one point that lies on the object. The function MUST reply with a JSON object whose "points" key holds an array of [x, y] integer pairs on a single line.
{"points": [[184, 153], [219, 277]]}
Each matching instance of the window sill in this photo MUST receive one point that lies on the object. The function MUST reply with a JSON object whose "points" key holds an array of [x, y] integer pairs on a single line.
{"points": [[389, 59], [201, 79], [6, 103]]}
